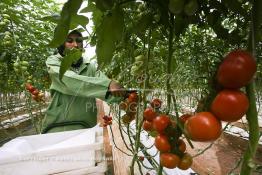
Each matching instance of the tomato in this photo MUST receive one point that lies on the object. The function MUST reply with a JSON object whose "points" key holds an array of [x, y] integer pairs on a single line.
{"points": [[149, 114], [169, 160], [35, 92], [41, 95], [186, 162], [156, 103], [203, 126], [133, 97], [183, 118], [237, 69], [147, 125], [162, 143], [181, 145], [161, 122], [29, 87], [230, 105]]}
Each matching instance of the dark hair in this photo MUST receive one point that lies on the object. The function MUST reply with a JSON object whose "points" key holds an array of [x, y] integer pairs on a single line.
{"points": [[61, 48]]}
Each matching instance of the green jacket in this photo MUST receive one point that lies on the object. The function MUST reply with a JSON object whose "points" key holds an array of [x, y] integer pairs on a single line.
{"points": [[73, 104]]}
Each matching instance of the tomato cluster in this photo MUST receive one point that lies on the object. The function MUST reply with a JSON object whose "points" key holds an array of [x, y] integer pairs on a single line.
{"points": [[172, 148], [236, 71], [230, 104], [20, 66], [129, 105], [36, 94]]}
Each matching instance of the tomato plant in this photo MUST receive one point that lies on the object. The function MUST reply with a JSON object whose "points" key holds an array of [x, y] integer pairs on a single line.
{"points": [[237, 69], [162, 143], [230, 105], [203, 126], [169, 160], [161, 122]]}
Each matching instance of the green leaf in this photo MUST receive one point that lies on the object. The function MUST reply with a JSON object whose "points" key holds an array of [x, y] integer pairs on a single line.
{"points": [[104, 5], [142, 24], [78, 20], [70, 9], [71, 56], [52, 18], [108, 33]]}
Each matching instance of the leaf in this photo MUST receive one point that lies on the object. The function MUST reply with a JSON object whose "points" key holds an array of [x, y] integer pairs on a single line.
{"points": [[71, 56], [90, 8], [52, 18], [142, 24], [70, 9], [104, 5], [78, 20], [108, 33]]}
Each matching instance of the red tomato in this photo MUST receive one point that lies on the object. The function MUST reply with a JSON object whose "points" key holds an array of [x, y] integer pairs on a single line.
{"points": [[147, 125], [162, 143], [35, 92], [183, 118], [149, 114], [29, 87], [186, 162], [203, 126], [230, 105], [156, 103], [237, 69], [161, 122], [169, 160], [181, 145]]}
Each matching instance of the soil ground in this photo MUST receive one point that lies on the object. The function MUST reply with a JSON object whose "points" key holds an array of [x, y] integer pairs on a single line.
{"points": [[222, 157]]}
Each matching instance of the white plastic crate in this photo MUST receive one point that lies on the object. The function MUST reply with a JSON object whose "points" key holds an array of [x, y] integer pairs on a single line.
{"points": [[71, 152]]}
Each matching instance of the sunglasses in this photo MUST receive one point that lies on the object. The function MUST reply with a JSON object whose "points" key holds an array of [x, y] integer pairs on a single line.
{"points": [[77, 40]]}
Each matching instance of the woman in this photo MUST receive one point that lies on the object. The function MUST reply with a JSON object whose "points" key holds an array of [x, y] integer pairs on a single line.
{"points": [[73, 104]]}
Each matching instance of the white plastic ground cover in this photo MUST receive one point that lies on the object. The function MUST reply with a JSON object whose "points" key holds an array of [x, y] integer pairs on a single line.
{"points": [[71, 153]]}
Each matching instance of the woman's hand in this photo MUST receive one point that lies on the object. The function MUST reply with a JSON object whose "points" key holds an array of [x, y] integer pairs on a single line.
{"points": [[117, 89]]}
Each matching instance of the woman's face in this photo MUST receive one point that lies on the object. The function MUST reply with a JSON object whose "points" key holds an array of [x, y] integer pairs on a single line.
{"points": [[74, 41]]}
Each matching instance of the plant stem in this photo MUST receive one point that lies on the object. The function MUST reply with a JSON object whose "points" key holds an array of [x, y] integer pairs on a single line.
{"points": [[169, 61], [252, 116]]}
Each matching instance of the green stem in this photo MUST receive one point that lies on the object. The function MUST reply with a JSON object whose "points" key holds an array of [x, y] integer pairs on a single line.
{"points": [[160, 170], [252, 115], [169, 61]]}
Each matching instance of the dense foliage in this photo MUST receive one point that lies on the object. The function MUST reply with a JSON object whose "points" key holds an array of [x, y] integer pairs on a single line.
{"points": [[24, 37]]}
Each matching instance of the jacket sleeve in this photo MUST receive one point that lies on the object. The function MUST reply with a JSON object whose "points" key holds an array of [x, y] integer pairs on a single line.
{"points": [[75, 84], [109, 98]]}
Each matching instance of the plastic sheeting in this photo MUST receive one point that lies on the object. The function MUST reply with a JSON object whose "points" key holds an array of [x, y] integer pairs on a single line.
{"points": [[71, 152]]}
